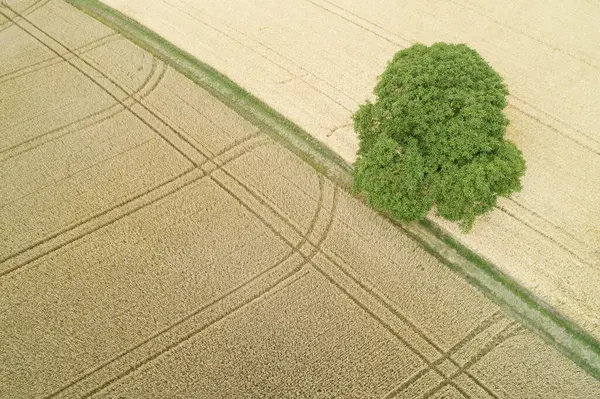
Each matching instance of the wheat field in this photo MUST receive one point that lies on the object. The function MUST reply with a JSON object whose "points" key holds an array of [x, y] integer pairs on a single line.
{"points": [[155, 243], [315, 61]]}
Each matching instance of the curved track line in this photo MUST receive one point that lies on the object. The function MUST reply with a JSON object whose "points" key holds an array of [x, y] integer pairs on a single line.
{"points": [[189, 336], [177, 132], [262, 199], [88, 120], [53, 60], [316, 215], [295, 250], [265, 200], [111, 112], [142, 90], [332, 218], [382, 298], [360, 284], [583, 348]]}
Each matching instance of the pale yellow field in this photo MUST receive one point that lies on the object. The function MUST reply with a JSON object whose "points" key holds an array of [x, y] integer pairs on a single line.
{"points": [[154, 243], [316, 60]]}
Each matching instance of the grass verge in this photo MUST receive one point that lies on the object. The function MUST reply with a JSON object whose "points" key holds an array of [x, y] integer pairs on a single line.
{"points": [[575, 343]]}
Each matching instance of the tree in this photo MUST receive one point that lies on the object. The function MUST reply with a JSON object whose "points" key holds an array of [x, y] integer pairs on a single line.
{"points": [[434, 137]]}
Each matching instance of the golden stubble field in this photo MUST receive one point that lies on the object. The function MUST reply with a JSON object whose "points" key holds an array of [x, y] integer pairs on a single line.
{"points": [[156, 244], [315, 61]]}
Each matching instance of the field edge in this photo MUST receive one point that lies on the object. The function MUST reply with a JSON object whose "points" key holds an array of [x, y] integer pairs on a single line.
{"points": [[555, 328]]}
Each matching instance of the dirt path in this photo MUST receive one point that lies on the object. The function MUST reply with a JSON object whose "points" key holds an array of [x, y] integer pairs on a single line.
{"points": [[155, 243]]}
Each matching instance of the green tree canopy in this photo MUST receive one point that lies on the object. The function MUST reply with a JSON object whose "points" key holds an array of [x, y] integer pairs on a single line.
{"points": [[435, 137]]}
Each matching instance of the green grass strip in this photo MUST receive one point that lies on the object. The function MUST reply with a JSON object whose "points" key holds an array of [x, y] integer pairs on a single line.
{"points": [[575, 343]]}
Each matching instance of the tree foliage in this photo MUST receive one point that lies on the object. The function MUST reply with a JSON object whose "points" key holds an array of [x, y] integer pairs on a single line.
{"points": [[435, 137]]}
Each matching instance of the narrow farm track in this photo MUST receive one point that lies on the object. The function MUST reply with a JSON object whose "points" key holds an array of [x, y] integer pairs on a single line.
{"points": [[26, 8], [148, 85], [155, 242], [15, 73], [314, 61]]}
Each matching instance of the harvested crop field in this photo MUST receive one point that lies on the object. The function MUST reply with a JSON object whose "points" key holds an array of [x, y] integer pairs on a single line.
{"points": [[316, 60], [155, 243]]}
